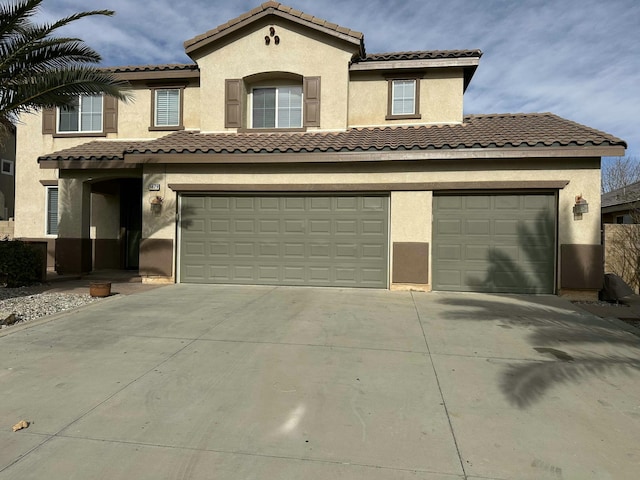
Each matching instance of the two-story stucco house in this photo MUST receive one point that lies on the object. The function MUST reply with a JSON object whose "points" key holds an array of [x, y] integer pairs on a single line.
{"points": [[287, 155]]}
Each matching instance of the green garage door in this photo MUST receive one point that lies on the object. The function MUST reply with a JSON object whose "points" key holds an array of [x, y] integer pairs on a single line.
{"points": [[285, 240], [494, 243]]}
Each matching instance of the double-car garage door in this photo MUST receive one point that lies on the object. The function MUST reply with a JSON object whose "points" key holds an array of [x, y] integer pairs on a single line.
{"points": [[321, 240]]}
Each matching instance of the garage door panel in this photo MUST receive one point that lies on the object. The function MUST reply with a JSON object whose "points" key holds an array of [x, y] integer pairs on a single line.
{"points": [[507, 243], [477, 203], [320, 204], [290, 274], [507, 227], [346, 227], [349, 204], [478, 227], [373, 227], [269, 250], [505, 202], [295, 204], [374, 203], [213, 203], [476, 252], [286, 240], [217, 249]]}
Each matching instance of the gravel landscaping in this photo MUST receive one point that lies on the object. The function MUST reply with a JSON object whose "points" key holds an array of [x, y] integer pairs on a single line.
{"points": [[29, 303]]}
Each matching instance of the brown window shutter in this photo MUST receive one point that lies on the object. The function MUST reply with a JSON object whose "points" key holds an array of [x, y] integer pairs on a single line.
{"points": [[233, 103], [311, 92], [49, 121], [110, 115]]}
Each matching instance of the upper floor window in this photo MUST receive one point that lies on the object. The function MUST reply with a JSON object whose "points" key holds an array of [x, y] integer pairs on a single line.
{"points": [[166, 108], [84, 115], [87, 116], [278, 107], [272, 100], [404, 98]]}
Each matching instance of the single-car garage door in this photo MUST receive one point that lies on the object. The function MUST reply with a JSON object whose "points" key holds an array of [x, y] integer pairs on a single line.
{"points": [[494, 243], [285, 240]]}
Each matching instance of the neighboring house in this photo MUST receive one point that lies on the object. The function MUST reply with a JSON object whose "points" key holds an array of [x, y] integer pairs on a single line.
{"points": [[287, 155], [621, 205], [7, 174]]}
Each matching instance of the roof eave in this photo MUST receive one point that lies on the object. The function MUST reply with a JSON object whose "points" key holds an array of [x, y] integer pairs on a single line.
{"points": [[376, 155], [415, 64], [159, 75]]}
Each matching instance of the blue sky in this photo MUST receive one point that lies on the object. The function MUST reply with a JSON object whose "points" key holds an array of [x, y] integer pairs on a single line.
{"points": [[579, 59]]}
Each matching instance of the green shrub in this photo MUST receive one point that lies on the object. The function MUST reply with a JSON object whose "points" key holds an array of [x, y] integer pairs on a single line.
{"points": [[20, 263]]}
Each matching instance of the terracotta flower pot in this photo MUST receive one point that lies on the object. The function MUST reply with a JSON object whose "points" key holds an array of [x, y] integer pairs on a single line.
{"points": [[100, 289]]}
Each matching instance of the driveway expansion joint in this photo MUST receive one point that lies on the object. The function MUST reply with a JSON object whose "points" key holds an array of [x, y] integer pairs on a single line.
{"points": [[444, 402]]}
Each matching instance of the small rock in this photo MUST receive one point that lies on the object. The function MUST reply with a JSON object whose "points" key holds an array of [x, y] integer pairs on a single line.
{"points": [[7, 318]]}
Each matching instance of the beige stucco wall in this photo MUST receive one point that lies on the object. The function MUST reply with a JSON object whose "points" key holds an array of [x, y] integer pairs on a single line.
{"points": [[441, 94], [411, 212], [301, 52], [105, 216], [134, 117], [162, 223], [30, 194]]}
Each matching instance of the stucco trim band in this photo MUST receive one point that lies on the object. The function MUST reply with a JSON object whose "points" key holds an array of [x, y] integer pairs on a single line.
{"points": [[372, 156], [369, 187]]}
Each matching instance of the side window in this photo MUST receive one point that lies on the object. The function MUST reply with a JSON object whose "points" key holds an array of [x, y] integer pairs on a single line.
{"points": [[51, 227], [83, 116], [404, 98], [166, 108]]}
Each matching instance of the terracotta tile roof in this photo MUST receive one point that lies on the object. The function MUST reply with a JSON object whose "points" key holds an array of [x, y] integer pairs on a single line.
{"points": [[102, 150], [420, 55], [152, 68], [271, 6], [477, 132]]}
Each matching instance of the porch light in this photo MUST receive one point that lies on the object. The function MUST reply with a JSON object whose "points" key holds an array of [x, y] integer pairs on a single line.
{"points": [[156, 204], [581, 206]]}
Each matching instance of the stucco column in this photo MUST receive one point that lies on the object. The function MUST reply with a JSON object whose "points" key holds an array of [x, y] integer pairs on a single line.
{"points": [[159, 208], [73, 245]]}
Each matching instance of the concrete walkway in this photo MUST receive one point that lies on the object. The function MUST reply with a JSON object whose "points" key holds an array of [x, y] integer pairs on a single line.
{"points": [[223, 382]]}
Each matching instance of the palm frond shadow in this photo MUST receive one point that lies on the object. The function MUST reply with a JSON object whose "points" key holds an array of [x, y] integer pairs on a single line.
{"points": [[526, 384], [548, 325]]}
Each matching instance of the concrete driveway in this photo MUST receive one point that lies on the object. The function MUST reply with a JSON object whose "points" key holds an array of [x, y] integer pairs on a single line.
{"points": [[223, 382]]}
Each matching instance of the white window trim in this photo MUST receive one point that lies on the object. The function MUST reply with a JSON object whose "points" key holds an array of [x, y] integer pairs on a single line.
{"points": [[393, 98], [66, 132], [276, 87], [155, 107], [46, 211], [11, 164]]}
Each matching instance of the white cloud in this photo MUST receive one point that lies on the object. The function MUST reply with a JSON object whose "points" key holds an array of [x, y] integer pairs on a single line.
{"points": [[577, 58]]}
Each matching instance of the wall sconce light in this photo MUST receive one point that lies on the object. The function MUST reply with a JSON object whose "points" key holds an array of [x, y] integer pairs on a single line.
{"points": [[156, 204], [581, 206]]}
